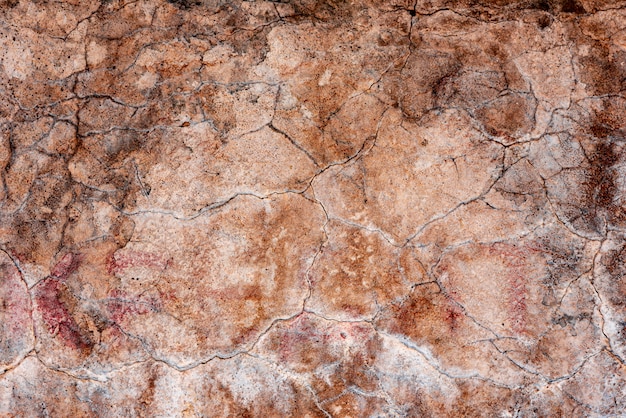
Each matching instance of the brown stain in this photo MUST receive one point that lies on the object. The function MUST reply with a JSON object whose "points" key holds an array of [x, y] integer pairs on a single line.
{"points": [[509, 116], [498, 8], [600, 184], [213, 100], [147, 398], [615, 263], [595, 201], [427, 316], [356, 270], [571, 6], [224, 402], [36, 235], [326, 11], [185, 4], [544, 21], [600, 200], [602, 70], [265, 251], [475, 399], [418, 84]]}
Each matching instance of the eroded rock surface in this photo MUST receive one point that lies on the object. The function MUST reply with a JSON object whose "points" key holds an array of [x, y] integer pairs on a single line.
{"points": [[312, 208]]}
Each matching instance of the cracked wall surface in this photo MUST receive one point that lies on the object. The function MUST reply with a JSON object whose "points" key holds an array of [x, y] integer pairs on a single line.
{"points": [[312, 208]]}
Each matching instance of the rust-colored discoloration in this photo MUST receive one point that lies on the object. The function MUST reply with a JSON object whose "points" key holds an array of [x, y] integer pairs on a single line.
{"points": [[508, 116], [429, 317]]}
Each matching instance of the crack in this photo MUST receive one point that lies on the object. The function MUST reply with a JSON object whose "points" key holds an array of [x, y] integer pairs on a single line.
{"points": [[608, 344], [575, 371], [16, 363], [31, 347], [220, 203], [411, 346], [72, 374], [293, 142]]}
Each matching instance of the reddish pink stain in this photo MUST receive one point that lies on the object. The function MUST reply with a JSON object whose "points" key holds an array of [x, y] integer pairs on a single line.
{"points": [[20, 257], [120, 261], [169, 296], [56, 316], [301, 335], [359, 332], [518, 309], [515, 259], [66, 266], [14, 300], [452, 316], [121, 305]]}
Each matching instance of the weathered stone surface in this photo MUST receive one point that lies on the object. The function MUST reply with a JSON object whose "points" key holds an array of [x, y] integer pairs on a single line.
{"points": [[312, 208]]}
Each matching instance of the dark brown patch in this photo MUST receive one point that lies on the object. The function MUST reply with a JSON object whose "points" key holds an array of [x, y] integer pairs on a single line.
{"points": [[600, 189], [615, 263], [544, 21], [603, 69], [541, 5], [421, 81], [572, 6], [147, 397], [323, 10], [185, 4]]}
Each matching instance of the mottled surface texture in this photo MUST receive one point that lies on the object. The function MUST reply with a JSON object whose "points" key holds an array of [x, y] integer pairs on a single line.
{"points": [[312, 208]]}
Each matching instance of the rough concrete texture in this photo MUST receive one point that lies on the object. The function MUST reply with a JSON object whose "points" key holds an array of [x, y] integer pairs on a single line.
{"points": [[312, 208]]}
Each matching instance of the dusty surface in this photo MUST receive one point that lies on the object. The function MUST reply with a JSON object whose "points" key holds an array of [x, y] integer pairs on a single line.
{"points": [[312, 208]]}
